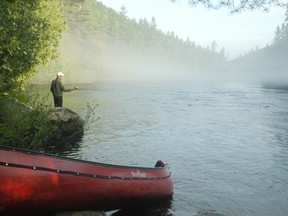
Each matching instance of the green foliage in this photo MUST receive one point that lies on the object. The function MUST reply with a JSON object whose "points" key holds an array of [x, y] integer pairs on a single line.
{"points": [[30, 32], [24, 121], [101, 42]]}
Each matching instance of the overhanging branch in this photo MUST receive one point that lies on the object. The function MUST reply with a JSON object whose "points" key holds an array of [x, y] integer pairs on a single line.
{"points": [[236, 6]]}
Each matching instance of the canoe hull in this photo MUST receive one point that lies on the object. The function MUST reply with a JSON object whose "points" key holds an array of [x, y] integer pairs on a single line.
{"points": [[32, 182]]}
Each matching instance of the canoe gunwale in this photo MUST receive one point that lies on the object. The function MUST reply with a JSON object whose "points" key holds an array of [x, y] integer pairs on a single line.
{"points": [[79, 173], [76, 160]]}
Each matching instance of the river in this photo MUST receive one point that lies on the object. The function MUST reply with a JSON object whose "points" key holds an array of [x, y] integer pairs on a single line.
{"points": [[226, 143]]}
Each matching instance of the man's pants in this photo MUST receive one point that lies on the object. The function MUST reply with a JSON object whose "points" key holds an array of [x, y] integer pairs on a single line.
{"points": [[58, 101]]}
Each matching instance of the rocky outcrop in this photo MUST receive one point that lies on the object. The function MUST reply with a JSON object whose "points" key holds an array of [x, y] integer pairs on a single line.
{"points": [[28, 127], [69, 127]]}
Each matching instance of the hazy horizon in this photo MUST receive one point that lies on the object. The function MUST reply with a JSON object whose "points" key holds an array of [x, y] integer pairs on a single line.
{"points": [[238, 33]]}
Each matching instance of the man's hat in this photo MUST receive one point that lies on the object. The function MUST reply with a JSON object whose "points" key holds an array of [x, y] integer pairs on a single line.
{"points": [[60, 74]]}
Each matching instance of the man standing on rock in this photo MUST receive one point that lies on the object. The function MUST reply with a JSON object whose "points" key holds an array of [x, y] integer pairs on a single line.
{"points": [[57, 88]]}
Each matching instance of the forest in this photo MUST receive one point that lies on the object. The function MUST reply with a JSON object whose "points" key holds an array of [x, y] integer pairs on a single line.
{"points": [[91, 42], [103, 44]]}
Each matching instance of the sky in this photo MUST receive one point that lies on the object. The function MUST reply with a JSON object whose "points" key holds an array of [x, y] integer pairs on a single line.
{"points": [[237, 33]]}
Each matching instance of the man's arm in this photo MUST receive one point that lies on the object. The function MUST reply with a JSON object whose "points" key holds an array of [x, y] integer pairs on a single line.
{"points": [[63, 88], [52, 87]]}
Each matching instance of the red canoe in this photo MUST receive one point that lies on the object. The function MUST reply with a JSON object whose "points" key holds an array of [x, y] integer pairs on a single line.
{"points": [[32, 182]]}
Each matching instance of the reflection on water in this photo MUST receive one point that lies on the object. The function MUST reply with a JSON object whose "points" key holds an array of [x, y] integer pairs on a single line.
{"points": [[64, 150], [226, 144], [158, 209]]}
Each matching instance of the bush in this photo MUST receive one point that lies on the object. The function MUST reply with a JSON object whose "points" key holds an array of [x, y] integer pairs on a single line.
{"points": [[24, 121]]}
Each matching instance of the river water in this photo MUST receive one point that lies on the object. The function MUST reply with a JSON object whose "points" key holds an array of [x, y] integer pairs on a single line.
{"points": [[226, 143]]}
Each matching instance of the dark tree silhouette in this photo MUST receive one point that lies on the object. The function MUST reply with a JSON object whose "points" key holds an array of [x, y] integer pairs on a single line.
{"points": [[236, 6]]}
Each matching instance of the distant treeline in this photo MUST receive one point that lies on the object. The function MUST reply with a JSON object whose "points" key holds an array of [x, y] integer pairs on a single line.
{"points": [[103, 44], [269, 63]]}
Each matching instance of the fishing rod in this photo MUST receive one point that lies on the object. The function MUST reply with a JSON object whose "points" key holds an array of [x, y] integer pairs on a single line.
{"points": [[86, 89]]}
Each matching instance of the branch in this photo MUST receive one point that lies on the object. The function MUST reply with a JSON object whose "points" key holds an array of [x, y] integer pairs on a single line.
{"points": [[236, 6]]}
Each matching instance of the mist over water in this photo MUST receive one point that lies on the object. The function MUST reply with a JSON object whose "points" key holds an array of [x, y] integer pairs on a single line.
{"points": [[225, 143], [131, 64], [107, 62]]}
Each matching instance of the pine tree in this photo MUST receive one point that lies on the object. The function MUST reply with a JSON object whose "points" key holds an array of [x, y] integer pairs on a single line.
{"points": [[277, 36]]}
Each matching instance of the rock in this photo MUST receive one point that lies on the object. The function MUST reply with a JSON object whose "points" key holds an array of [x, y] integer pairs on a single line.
{"points": [[69, 127]]}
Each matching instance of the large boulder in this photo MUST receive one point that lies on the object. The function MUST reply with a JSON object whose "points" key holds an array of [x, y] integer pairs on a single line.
{"points": [[69, 127]]}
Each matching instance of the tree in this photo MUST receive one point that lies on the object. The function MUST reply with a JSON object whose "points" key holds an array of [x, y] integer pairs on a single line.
{"points": [[153, 23], [239, 5], [277, 36], [281, 33], [286, 14], [123, 11], [214, 46], [285, 25], [30, 32]]}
